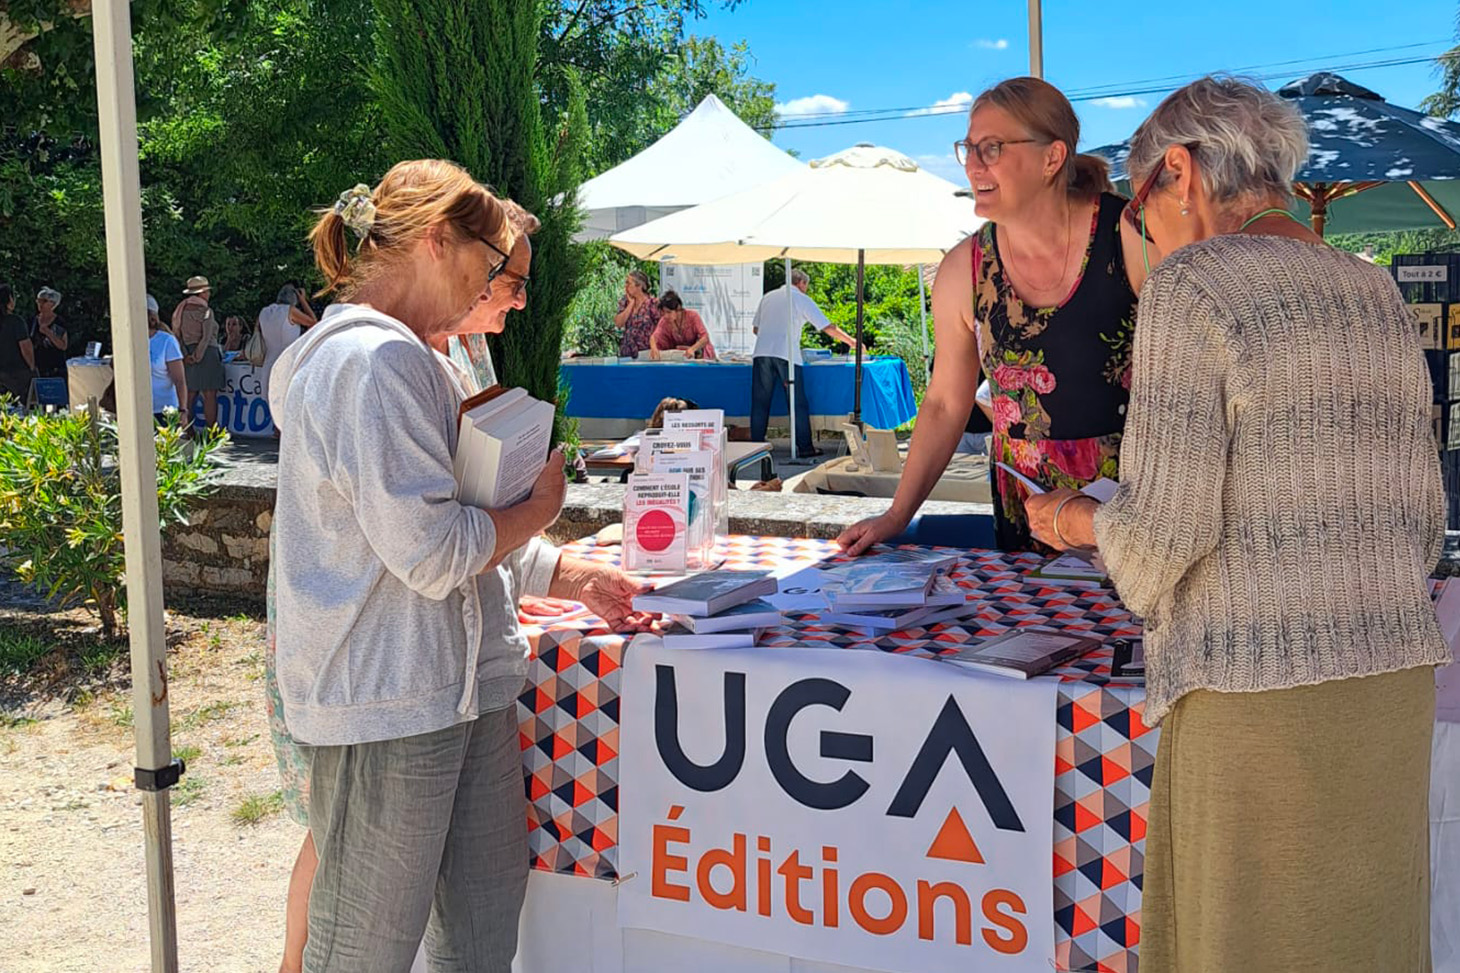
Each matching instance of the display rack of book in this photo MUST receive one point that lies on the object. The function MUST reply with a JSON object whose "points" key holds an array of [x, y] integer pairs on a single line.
{"points": [[1430, 283]]}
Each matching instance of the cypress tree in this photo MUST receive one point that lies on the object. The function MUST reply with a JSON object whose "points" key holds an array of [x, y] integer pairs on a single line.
{"points": [[456, 80]]}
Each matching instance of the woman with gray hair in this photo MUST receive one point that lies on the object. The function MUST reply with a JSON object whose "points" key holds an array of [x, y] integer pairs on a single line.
{"points": [[48, 336], [1281, 573]]}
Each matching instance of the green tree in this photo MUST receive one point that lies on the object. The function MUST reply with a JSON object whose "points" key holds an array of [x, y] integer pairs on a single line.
{"points": [[473, 100], [701, 66]]}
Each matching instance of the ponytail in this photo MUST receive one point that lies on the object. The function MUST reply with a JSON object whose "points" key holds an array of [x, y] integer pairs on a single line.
{"points": [[1089, 175], [331, 250]]}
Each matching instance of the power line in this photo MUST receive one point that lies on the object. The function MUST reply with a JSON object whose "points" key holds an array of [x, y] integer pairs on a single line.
{"points": [[1081, 95]]}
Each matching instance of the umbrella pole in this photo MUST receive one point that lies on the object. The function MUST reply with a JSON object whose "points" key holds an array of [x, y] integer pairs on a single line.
{"points": [[793, 352], [1433, 204], [126, 279], [923, 327], [1036, 39], [857, 388]]}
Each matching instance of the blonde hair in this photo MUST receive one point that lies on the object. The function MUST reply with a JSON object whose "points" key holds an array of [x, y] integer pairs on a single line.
{"points": [[1048, 116], [413, 198]]}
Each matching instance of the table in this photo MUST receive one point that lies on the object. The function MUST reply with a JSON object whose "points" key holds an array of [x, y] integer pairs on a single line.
{"points": [[737, 456], [614, 400], [1104, 758], [87, 378], [966, 480]]}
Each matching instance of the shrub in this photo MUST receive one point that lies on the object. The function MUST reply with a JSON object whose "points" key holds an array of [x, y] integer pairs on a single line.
{"points": [[898, 336], [61, 502], [589, 329]]}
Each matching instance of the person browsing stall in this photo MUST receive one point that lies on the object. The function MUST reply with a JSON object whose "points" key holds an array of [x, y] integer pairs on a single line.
{"points": [[165, 360], [785, 307], [48, 336], [398, 652], [679, 329], [1290, 638], [1042, 299], [17, 352]]}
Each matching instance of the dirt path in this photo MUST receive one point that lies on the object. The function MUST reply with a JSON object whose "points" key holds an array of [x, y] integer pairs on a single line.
{"points": [[73, 891]]}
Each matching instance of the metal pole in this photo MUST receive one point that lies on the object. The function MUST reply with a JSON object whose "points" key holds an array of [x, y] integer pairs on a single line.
{"points": [[923, 326], [793, 354], [1036, 40], [857, 388], [127, 283]]}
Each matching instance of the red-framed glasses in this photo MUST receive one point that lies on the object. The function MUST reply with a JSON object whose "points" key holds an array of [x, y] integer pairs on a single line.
{"points": [[1134, 209]]}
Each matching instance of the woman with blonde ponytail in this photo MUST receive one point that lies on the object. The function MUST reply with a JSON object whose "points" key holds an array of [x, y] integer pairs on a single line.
{"points": [[397, 654], [1043, 299]]}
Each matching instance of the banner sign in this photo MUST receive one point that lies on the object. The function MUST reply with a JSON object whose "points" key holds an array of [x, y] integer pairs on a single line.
{"points": [[726, 297], [242, 408], [848, 807]]}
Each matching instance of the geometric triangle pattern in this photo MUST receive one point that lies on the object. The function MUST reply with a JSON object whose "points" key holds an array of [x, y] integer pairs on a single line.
{"points": [[1104, 754]]}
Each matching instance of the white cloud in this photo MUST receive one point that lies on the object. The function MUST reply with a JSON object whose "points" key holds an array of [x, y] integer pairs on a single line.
{"points": [[1002, 44], [1120, 101], [813, 105], [959, 99]]}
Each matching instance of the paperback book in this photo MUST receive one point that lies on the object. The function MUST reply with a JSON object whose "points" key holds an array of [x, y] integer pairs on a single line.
{"points": [[502, 442], [656, 522], [707, 593], [679, 637], [739, 618], [1022, 653]]}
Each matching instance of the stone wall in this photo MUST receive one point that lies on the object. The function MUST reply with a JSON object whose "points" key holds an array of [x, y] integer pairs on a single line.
{"points": [[224, 549]]}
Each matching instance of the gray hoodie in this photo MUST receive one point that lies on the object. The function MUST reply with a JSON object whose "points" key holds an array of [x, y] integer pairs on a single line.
{"points": [[387, 626]]}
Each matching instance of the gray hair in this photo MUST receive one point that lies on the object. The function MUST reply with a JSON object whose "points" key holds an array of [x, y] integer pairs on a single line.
{"points": [[1249, 141], [798, 277], [49, 294], [287, 295]]}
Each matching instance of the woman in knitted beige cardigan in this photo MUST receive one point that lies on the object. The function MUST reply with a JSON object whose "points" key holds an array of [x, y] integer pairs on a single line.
{"points": [[1280, 508]]}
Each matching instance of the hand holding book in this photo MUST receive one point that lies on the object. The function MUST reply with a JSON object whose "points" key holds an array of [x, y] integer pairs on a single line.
{"points": [[1076, 515]]}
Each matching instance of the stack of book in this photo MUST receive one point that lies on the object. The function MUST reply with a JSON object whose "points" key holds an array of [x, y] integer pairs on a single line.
{"points": [[1023, 653], [1071, 569], [714, 609], [892, 590]]}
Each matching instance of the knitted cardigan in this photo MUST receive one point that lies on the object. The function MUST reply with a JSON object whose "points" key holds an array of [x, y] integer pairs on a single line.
{"points": [[1280, 505]]}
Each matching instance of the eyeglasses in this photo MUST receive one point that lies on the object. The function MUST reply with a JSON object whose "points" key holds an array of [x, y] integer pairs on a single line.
{"points": [[987, 151], [520, 283], [492, 274], [1135, 210]]}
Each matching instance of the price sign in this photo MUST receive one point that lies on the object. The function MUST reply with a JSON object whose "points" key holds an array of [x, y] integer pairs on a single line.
{"points": [[1428, 274]]}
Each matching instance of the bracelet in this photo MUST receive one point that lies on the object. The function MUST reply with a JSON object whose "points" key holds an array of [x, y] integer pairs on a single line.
{"points": [[1056, 521]]}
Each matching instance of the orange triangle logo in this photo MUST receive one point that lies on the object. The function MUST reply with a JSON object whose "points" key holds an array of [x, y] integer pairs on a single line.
{"points": [[954, 843]]}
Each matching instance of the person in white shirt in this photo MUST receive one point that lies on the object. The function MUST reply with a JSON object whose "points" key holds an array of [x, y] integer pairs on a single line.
{"points": [[770, 365], [169, 383]]}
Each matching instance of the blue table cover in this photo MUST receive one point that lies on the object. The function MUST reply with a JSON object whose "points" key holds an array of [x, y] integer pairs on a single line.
{"points": [[630, 390]]}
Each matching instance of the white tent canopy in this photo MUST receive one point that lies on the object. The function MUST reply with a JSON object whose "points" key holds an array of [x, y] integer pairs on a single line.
{"points": [[867, 199], [709, 154]]}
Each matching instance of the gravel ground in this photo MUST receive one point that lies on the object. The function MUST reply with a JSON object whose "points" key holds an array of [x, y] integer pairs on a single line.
{"points": [[73, 887]]}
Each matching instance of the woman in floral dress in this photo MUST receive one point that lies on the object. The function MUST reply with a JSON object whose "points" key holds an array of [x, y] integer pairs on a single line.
{"points": [[1042, 298], [637, 317]]}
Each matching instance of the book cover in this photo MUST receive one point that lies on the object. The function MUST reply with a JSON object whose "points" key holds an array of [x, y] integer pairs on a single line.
{"points": [[1023, 653], [707, 593], [1070, 569], [656, 522], [654, 443], [501, 446], [698, 465], [890, 583]]}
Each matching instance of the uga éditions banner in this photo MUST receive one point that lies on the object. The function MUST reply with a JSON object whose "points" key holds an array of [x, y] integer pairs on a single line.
{"points": [[850, 807]]}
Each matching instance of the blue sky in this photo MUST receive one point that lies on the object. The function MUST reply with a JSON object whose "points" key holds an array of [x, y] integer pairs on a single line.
{"points": [[858, 55]]}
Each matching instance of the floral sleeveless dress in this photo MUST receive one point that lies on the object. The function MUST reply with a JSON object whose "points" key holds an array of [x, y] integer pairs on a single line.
{"points": [[1059, 376]]}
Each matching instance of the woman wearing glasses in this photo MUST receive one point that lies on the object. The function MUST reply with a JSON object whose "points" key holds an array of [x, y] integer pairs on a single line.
{"points": [[1290, 636], [399, 657], [467, 347], [1044, 297]]}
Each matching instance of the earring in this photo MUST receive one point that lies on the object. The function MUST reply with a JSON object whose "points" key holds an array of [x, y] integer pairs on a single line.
{"points": [[1185, 208]]}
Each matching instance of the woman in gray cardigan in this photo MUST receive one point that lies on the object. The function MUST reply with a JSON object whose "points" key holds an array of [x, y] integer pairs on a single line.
{"points": [[399, 656], [1280, 509]]}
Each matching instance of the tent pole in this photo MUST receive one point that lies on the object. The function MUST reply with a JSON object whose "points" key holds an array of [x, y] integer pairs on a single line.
{"points": [[857, 388], [923, 326], [1036, 39], [127, 283], [793, 350]]}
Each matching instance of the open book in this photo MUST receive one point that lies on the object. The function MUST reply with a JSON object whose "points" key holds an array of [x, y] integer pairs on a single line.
{"points": [[501, 444]]}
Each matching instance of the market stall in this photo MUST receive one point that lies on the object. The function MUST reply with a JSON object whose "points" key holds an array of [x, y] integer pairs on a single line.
{"points": [[580, 741], [613, 400], [242, 408]]}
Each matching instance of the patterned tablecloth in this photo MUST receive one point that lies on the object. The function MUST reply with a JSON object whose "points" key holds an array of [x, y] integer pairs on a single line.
{"points": [[1104, 754]]}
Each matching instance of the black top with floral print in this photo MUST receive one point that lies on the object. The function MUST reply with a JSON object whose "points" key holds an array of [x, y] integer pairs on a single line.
{"points": [[1061, 372]]}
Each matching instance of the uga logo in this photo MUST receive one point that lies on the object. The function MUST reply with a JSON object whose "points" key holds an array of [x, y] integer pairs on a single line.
{"points": [[948, 734]]}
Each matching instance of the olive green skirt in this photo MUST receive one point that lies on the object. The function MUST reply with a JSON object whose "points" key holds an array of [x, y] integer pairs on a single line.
{"points": [[1289, 830]]}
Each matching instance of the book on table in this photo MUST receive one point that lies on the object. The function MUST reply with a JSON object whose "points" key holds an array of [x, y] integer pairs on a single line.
{"points": [[873, 622], [940, 561], [878, 584], [943, 594], [1071, 569], [756, 613], [502, 441], [707, 593], [1023, 653], [679, 637]]}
